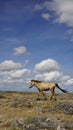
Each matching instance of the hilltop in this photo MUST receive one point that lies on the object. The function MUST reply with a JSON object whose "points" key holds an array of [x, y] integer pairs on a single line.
{"points": [[22, 111]]}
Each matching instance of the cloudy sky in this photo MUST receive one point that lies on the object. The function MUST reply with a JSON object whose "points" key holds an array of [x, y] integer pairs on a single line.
{"points": [[36, 42]]}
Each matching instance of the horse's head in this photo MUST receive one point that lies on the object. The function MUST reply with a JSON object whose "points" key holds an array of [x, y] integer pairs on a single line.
{"points": [[32, 83]]}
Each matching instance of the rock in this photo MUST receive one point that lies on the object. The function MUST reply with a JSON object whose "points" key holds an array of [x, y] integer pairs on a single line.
{"points": [[65, 126], [38, 110], [20, 123], [60, 128], [67, 108], [30, 127], [37, 123]]}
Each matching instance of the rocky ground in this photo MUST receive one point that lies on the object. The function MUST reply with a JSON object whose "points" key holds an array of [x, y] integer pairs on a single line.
{"points": [[22, 111]]}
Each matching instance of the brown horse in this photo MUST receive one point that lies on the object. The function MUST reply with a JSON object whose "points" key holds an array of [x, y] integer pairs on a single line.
{"points": [[45, 86]]}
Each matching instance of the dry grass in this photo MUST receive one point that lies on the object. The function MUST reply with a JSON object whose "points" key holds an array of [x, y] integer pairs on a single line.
{"points": [[18, 105]]}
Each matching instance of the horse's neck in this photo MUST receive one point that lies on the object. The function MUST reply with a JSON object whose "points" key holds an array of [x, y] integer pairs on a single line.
{"points": [[37, 84]]}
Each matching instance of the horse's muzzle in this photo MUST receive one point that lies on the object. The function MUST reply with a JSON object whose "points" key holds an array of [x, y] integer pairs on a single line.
{"points": [[30, 86]]}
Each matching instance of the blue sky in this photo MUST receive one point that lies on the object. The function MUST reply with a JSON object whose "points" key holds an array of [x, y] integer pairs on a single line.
{"points": [[36, 41]]}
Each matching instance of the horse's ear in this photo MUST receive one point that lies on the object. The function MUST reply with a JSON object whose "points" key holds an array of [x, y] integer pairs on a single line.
{"points": [[32, 80]]}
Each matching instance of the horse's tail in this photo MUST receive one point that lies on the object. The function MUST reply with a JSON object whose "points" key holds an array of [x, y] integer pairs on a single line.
{"points": [[63, 90]]}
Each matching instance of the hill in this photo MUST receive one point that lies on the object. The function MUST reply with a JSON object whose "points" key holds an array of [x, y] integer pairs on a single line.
{"points": [[22, 111]]}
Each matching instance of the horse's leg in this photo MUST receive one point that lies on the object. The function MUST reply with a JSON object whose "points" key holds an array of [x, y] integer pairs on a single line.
{"points": [[43, 94], [52, 94], [55, 95], [38, 98]]}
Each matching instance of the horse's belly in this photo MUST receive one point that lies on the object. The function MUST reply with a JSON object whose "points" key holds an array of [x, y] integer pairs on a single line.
{"points": [[46, 89]]}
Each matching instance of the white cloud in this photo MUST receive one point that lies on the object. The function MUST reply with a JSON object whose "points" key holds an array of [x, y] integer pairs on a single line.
{"points": [[20, 50], [69, 34], [45, 5], [26, 62], [38, 7], [8, 65], [18, 74], [51, 76], [69, 82], [47, 66], [49, 70], [13, 75], [46, 16], [55, 76], [63, 10]]}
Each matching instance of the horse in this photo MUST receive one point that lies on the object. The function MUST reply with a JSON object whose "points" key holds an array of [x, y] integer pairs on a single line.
{"points": [[45, 86]]}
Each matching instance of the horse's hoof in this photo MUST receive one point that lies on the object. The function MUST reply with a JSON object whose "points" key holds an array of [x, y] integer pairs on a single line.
{"points": [[55, 99], [45, 99], [38, 99], [50, 99]]}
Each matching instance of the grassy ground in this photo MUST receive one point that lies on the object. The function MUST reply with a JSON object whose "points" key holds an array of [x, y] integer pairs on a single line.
{"points": [[18, 105]]}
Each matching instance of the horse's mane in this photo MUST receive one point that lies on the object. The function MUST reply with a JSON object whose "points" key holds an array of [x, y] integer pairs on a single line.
{"points": [[36, 80]]}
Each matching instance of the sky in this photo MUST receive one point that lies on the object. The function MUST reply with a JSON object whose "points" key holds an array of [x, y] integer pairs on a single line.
{"points": [[36, 42]]}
